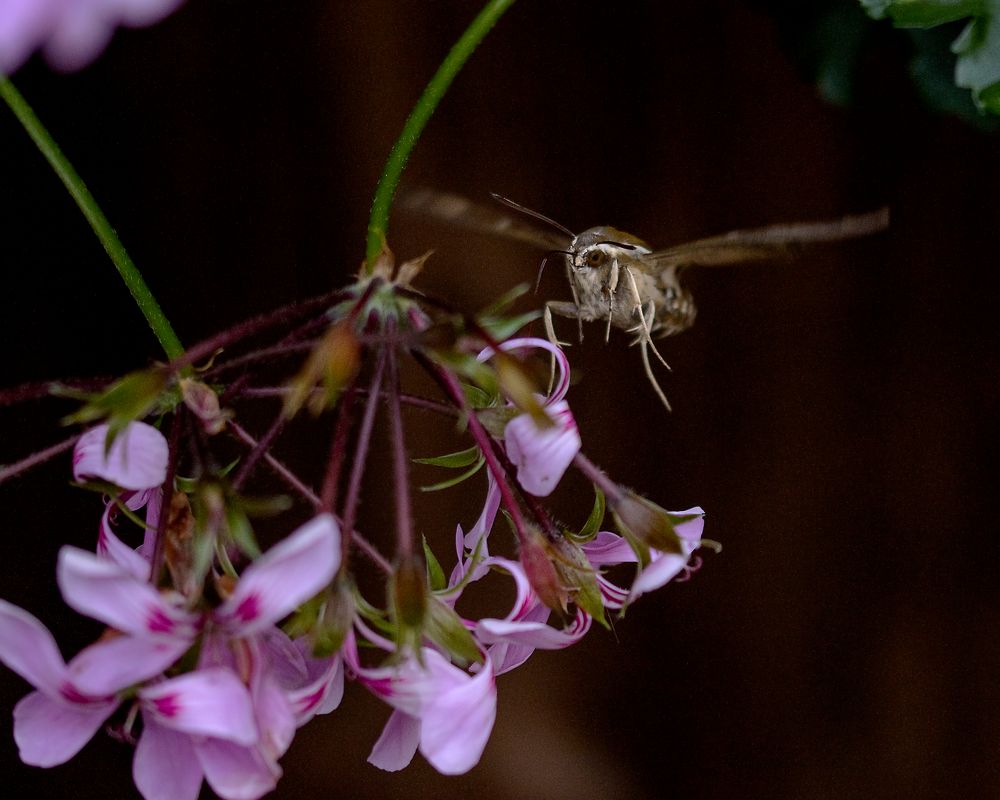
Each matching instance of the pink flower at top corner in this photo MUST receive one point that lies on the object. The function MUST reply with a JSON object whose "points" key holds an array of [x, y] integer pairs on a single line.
{"points": [[71, 33]]}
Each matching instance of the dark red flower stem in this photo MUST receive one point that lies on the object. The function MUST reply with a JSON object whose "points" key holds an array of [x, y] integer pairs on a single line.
{"points": [[159, 548], [262, 447], [360, 457], [534, 506], [612, 491], [453, 389], [299, 486], [338, 449], [13, 470], [400, 472]]}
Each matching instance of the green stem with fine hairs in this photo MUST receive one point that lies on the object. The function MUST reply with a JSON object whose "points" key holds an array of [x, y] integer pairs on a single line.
{"points": [[98, 222], [378, 223]]}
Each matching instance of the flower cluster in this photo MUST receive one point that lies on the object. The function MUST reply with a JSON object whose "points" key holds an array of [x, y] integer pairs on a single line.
{"points": [[217, 650]]}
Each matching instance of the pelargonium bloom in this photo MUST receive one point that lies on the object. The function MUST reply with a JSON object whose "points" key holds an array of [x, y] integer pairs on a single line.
{"points": [[542, 453], [137, 462], [70, 32], [609, 549], [230, 719], [445, 712]]}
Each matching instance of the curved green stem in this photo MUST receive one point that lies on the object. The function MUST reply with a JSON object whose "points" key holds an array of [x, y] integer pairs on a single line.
{"points": [[379, 221], [98, 222]]}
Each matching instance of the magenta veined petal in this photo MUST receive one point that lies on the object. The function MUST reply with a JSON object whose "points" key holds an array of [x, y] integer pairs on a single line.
{"points": [[137, 459], [104, 591], [206, 702], [50, 732], [165, 766], [283, 578], [110, 665]]}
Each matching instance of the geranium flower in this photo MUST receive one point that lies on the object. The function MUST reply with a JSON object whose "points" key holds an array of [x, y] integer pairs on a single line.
{"points": [[71, 33], [445, 712], [226, 722], [136, 462], [541, 453]]}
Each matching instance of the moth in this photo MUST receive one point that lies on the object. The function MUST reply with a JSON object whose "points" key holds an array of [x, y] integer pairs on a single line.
{"points": [[617, 278]]}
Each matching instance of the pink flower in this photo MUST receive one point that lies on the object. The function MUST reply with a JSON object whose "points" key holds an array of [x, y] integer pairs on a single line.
{"points": [[226, 722], [445, 712], [71, 32], [137, 462], [541, 453], [608, 549]]}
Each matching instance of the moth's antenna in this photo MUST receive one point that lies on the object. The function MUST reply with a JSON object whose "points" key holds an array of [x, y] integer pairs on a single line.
{"points": [[532, 213], [545, 259]]}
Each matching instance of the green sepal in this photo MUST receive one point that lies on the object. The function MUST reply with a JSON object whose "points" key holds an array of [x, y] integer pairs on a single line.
{"points": [[241, 531], [580, 579], [445, 628], [132, 397], [501, 328], [924, 13], [435, 575], [594, 521], [462, 458], [478, 398], [447, 484]]}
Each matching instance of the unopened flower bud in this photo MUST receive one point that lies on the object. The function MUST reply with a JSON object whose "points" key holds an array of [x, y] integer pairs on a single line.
{"points": [[409, 593], [536, 558], [645, 523], [203, 402], [331, 365]]}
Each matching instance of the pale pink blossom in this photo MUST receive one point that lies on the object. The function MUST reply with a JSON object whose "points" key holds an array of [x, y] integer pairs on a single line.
{"points": [[228, 721], [445, 712], [137, 458], [71, 33]]}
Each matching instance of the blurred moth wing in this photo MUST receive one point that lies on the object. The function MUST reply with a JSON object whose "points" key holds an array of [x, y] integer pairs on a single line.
{"points": [[617, 278]]}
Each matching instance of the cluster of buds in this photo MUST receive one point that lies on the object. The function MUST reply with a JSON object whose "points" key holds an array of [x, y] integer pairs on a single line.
{"points": [[218, 649]]}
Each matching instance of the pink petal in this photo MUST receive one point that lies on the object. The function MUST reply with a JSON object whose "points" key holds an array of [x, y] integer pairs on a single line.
{"points": [[109, 546], [659, 572], [275, 719], [207, 702], [398, 743], [537, 635], [692, 529], [165, 766], [137, 459], [103, 590], [283, 578], [457, 723], [608, 548], [323, 694], [527, 343], [542, 455], [234, 772], [49, 732], [108, 666], [27, 647]]}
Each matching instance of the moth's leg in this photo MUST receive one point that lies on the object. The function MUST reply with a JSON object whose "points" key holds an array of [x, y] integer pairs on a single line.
{"points": [[646, 327], [563, 310], [576, 303], [611, 313], [649, 373]]}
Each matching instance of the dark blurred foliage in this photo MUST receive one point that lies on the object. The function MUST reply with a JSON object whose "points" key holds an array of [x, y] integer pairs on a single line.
{"points": [[837, 415]]}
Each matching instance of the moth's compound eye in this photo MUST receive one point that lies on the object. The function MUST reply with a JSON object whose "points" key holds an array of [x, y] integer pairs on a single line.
{"points": [[596, 258]]}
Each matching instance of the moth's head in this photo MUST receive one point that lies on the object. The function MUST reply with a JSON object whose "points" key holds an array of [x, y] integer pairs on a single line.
{"points": [[595, 248]]}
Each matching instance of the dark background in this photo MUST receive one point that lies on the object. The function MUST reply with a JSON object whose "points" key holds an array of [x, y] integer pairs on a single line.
{"points": [[836, 416]]}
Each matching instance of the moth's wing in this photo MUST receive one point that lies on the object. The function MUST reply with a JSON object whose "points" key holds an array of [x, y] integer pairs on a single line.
{"points": [[457, 210], [773, 241]]}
